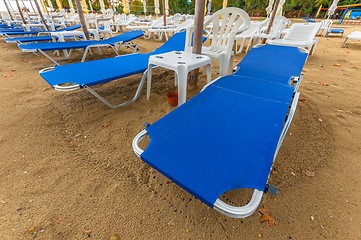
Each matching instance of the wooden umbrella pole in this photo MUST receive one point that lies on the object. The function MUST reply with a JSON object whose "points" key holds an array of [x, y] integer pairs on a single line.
{"points": [[197, 37], [26, 10], [164, 15], [41, 14], [21, 13], [8, 9], [272, 18], [82, 19], [32, 6]]}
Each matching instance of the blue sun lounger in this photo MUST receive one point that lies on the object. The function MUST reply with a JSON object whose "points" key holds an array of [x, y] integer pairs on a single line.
{"points": [[72, 77], [36, 31], [226, 137], [41, 36], [20, 40], [124, 39]]}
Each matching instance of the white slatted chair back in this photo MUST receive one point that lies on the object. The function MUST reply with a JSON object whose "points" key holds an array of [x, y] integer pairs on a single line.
{"points": [[279, 24], [226, 23], [230, 21]]}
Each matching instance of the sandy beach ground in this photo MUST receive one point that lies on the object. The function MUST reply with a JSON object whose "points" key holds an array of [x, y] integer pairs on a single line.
{"points": [[68, 170]]}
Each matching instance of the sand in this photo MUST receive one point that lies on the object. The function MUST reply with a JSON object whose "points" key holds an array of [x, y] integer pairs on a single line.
{"points": [[68, 170]]}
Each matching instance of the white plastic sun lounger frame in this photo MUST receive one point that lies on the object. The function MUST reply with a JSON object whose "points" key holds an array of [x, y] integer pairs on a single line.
{"points": [[356, 35], [219, 205]]}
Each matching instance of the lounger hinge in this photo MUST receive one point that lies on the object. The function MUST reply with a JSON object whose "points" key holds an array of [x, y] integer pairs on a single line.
{"points": [[271, 189], [146, 124]]}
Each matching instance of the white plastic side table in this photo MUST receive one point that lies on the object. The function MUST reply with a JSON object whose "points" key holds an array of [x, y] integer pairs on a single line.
{"points": [[61, 35], [181, 63]]}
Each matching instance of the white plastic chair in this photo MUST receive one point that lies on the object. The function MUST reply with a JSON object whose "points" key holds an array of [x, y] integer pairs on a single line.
{"points": [[158, 33], [279, 24], [241, 38], [325, 26], [226, 23], [102, 25], [300, 35], [159, 23]]}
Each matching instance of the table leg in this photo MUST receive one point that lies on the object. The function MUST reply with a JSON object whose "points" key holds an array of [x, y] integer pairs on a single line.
{"points": [[182, 85], [149, 80], [208, 70]]}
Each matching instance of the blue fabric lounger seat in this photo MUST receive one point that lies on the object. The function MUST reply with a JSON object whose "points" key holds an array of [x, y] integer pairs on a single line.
{"points": [[36, 31], [225, 138], [123, 39], [28, 39], [86, 74], [335, 31]]}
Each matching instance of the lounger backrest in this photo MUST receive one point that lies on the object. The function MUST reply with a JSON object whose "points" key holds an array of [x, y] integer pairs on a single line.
{"points": [[175, 43], [302, 31], [276, 63], [71, 28], [126, 36]]}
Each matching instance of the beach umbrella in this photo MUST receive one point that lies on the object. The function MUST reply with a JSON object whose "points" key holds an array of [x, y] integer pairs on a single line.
{"points": [[225, 3], [280, 8], [126, 6], [164, 15], [102, 5], [50, 4], [58, 3], [43, 6], [82, 19], [166, 5], [269, 7], [20, 12], [156, 7], [91, 6], [41, 14], [31, 4], [25, 10], [85, 7], [272, 18], [209, 7], [8, 9], [331, 10], [318, 11], [70, 2], [144, 7]]}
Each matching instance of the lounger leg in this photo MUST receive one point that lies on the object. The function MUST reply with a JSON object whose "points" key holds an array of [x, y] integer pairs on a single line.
{"points": [[149, 81], [50, 58], [208, 69], [135, 98], [344, 43]]}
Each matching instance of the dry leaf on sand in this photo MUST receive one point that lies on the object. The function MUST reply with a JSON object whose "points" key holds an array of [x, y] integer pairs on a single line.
{"points": [[267, 218], [308, 172], [324, 84]]}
